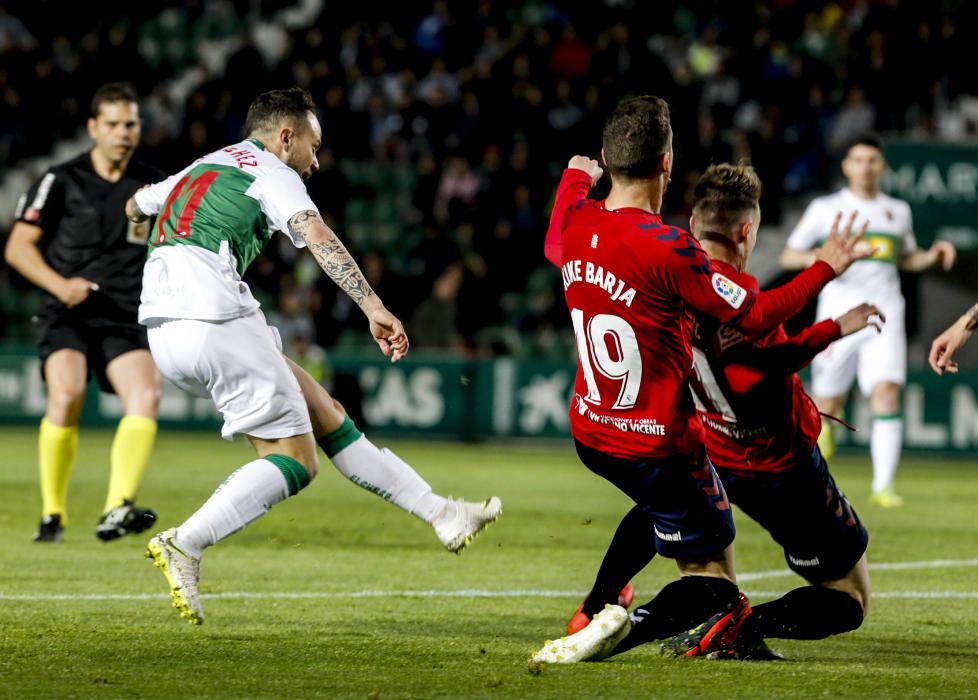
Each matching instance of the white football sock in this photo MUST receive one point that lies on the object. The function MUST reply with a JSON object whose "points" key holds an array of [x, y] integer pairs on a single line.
{"points": [[886, 442], [382, 472], [244, 497]]}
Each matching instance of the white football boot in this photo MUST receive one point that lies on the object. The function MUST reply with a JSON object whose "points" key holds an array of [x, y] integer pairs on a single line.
{"points": [[593, 643], [462, 521], [182, 572]]}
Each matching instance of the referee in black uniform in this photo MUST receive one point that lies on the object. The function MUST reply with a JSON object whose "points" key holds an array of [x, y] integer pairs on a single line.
{"points": [[72, 239]]}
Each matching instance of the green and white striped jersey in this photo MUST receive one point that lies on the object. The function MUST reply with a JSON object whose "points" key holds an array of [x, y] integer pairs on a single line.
{"points": [[876, 279], [214, 218]]}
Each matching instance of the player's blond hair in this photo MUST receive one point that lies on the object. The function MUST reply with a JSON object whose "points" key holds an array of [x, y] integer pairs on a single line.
{"points": [[725, 191]]}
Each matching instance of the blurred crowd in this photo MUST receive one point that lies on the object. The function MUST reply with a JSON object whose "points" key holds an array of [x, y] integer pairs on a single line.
{"points": [[446, 125]]}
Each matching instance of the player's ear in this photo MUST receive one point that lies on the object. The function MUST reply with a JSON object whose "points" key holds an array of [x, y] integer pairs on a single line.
{"points": [[91, 127], [743, 232], [665, 162], [285, 135], [604, 161], [692, 224]]}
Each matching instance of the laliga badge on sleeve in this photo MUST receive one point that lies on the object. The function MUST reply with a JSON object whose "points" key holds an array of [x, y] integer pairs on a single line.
{"points": [[728, 290]]}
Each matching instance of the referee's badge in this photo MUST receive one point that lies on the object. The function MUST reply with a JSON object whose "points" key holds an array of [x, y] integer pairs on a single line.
{"points": [[138, 233]]}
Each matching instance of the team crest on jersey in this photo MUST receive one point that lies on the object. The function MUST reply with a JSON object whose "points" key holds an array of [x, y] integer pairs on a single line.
{"points": [[727, 336], [729, 291]]}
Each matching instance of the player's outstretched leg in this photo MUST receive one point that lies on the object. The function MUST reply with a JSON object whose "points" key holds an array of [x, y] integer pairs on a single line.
{"points": [[593, 643], [456, 522], [244, 497]]}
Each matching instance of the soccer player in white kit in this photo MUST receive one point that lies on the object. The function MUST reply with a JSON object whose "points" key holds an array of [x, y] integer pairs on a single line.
{"points": [[877, 360], [208, 336]]}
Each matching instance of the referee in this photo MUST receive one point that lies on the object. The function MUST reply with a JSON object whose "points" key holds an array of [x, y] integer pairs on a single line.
{"points": [[72, 239]]}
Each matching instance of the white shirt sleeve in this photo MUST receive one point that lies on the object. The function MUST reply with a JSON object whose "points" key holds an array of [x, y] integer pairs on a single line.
{"points": [[282, 194], [151, 199], [810, 230], [909, 239]]}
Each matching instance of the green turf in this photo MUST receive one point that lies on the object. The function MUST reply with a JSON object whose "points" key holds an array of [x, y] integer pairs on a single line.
{"points": [[336, 539]]}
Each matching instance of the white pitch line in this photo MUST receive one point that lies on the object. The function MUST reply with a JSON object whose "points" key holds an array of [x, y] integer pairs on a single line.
{"points": [[517, 593], [474, 593]]}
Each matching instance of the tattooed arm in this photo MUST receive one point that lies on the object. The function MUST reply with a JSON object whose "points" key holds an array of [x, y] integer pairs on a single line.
{"points": [[332, 256], [340, 266]]}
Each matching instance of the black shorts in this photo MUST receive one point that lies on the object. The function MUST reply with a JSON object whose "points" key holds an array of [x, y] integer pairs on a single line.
{"points": [[681, 495], [100, 339], [806, 514]]}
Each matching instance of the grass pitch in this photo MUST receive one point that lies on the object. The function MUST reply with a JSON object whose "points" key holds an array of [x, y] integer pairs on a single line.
{"points": [[335, 594]]}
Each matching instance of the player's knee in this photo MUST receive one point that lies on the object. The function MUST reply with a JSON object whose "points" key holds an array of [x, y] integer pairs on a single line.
{"points": [[65, 401], [310, 462], [885, 398], [862, 599], [850, 606], [145, 400]]}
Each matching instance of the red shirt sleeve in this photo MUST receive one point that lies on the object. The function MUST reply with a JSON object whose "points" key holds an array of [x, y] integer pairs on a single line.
{"points": [[715, 294], [786, 355], [573, 188]]}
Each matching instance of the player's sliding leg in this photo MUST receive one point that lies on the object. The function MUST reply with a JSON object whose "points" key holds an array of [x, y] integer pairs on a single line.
{"points": [[692, 524], [816, 611], [810, 612], [133, 377], [380, 471], [631, 550], [886, 442], [824, 542], [66, 375], [705, 591], [284, 467]]}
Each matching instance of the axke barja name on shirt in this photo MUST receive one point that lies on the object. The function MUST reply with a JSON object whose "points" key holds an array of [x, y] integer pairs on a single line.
{"points": [[617, 289]]}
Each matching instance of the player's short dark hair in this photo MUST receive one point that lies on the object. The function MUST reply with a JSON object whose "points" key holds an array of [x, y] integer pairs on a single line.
{"points": [[112, 92], [867, 138], [635, 136], [726, 190], [271, 108]]}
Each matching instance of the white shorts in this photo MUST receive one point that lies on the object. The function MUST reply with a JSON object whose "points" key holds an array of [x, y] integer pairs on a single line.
{"points": [[239, 364], [868, 356]]}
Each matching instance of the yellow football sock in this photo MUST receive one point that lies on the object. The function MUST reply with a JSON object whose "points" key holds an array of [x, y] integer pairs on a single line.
{"points": [[56, 446], [130, 453]]}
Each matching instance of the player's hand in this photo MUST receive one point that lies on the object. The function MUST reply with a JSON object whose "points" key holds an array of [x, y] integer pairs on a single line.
{"points": [[75, 290], [946, 344], [944, 254], [856, 319], [844, 247], [588, 165], [389, 333]]}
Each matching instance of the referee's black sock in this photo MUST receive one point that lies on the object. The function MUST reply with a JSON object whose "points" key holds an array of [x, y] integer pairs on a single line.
{"points": [[811, 612], [680, 606], [630, 551]]}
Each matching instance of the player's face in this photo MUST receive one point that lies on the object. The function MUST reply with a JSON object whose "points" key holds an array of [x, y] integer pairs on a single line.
{"points": [[115, 130], [863, 167], [304, 146]]}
